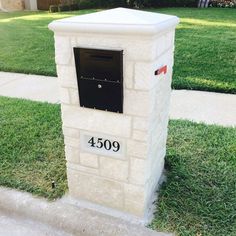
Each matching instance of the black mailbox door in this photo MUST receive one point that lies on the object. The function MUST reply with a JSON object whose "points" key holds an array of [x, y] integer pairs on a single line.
{"points": [[100, 78]]}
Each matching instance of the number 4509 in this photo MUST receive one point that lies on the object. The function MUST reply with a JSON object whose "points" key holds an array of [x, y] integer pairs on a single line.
{"points": [[107, 144]]}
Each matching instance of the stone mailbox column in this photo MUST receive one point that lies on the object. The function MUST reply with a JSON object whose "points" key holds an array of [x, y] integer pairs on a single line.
{"points": [[115, 160]]}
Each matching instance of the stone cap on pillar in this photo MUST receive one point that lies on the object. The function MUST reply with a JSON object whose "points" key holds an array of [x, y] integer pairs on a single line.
{"points": [[116, 21]]}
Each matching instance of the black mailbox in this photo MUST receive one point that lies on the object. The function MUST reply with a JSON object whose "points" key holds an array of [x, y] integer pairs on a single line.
{"points": [[100, 78]]}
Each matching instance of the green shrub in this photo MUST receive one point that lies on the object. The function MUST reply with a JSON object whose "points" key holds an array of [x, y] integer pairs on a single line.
{"points": [[62, 7], [113, 3], [85, 4], [74, 6], [170, 3], [223, 3]]}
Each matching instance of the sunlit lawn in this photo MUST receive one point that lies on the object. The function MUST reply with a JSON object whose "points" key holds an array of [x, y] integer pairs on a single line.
{"points": [[205, 56], [27, 45]]}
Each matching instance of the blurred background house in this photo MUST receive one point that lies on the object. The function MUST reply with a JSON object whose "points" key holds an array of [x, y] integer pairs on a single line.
{"points": [[18, 5], [33, 5], [70, 5]]}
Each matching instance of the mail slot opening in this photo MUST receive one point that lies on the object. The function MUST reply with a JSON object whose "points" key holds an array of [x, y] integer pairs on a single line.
{"points": [[100, 78], [101, 57]]}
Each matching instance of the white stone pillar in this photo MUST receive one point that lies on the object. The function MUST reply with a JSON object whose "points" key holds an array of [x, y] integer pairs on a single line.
{"points": [[126, 181], [31, 5]]}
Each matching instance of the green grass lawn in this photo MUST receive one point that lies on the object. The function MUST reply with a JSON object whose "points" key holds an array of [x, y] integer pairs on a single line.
{"points": [[31, 147], [205, 46], [205, 56], [199, 197]]}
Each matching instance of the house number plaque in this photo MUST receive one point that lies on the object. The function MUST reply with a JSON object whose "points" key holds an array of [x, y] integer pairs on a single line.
{"points": [[102, 145]]}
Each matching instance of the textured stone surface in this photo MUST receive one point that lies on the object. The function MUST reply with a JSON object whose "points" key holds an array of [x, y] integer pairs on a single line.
{"points": [[97, 121], [137, 149], [137, 171], [134, 193], [67, 76], [128, 44], [135, 207], [139, 135], [63, 50], [88, 159], [140, 123], [71, 132], [82, 169], [64, 95], [126, 184], [128, 74], [96, 189], [136, 103], [72, 142], [114, 169], [74, 96], [72, 154]]}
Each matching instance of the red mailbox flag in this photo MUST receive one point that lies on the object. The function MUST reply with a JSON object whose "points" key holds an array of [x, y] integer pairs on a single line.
{"points": [[161, 70]]}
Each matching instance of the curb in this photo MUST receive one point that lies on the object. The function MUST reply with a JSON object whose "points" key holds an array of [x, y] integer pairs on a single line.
{"points": [[69, 218]]}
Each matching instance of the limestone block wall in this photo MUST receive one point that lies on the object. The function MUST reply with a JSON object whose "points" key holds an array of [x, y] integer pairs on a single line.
{"points": [[124, 183]]}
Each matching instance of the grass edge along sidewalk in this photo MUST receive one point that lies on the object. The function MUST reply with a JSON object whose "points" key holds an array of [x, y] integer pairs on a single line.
{"points": [[199, 197], [205, 54]]}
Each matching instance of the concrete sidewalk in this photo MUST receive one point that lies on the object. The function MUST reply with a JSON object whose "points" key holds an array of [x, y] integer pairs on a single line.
{"points": [[207, 107], [33, 87], [17, 226], [37, 217]]}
